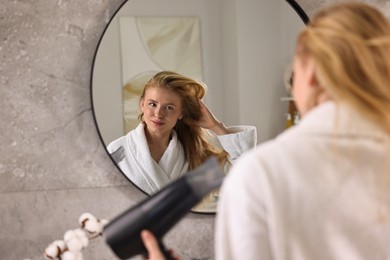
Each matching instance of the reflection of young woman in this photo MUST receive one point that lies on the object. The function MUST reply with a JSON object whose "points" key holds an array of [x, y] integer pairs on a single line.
{"points": [[320, 190], [177, 133]]}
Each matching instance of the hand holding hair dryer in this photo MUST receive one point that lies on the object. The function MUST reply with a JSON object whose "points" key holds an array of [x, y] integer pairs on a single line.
{"points": [[161, 211]]}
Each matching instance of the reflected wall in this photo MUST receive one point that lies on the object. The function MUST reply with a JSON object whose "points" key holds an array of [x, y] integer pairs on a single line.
{"points": [[150, 44]]}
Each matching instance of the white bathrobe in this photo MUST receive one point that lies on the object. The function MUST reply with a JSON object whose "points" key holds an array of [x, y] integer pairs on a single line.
{"points": [[311, 193], [131, 153]]}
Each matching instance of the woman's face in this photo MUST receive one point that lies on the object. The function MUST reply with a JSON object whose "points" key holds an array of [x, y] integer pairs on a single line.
{"points": [[162, 108]]}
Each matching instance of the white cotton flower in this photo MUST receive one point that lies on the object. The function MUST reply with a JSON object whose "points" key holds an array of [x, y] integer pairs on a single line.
{"points": [[52, 252], [76, 239], [74, 245], [100, 226], [82, 236], [89, 223], [70, 234], [70, 255], [92, 226], [98, 229], [60, 244], [80, 256], [86, 216], [104, 222], [55, 249]]}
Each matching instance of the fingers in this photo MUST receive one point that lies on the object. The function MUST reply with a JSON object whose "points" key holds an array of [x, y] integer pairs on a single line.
{"points": [[202, 106], [205, 111], [152, 246]]}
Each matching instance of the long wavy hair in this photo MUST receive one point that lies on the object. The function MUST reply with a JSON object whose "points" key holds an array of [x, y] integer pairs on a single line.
{"points": [[350, 43], [193, 138]]}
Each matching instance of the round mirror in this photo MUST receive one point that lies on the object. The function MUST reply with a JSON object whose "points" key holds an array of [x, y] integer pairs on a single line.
{"points": [[241, 51]]}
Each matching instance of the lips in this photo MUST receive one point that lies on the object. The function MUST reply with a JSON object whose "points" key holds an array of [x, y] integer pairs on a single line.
{"points": [[158, 123]]}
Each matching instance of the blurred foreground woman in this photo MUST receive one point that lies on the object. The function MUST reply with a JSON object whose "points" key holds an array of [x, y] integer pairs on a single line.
{"points": [[322, 189]]}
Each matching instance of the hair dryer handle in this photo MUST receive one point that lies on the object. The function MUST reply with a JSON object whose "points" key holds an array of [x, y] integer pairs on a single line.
{"points": [[165, 251]]}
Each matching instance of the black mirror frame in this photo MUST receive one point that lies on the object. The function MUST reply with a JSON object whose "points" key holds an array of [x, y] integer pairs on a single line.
{"points": [[299, 11]]}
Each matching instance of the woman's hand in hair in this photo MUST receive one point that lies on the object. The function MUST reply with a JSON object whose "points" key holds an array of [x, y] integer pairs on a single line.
{"points": [[209, 121]]}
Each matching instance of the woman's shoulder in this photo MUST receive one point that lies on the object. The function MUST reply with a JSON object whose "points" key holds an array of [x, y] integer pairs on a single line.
{"points": [[115, 144], [269, 154]]}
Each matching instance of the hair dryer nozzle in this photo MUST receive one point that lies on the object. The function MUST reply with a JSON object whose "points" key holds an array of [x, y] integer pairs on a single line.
{"points": [[205, 178], [161, 211]]}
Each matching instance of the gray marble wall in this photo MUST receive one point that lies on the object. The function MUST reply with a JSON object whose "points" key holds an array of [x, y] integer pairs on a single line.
{"points": [[53, 166]]}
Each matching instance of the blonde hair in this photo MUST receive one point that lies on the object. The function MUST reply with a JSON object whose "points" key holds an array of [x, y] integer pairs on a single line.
{"points": [[350, 43], [193, 138]]}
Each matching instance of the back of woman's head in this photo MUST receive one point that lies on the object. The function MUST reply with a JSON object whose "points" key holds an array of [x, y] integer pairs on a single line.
{"points": [[350, 43], [190, 91]]}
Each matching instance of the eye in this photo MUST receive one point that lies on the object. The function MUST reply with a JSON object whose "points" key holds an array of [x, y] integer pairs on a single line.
{"points": [[152, 104], [169, 108]]}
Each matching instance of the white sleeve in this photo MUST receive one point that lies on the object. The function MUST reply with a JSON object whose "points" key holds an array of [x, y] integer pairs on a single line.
{"points": [[239, 140], [114, 145], [241, 223]]}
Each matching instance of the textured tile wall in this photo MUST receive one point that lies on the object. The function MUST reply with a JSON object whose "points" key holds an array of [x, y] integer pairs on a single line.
{"points": [[53, 166]]}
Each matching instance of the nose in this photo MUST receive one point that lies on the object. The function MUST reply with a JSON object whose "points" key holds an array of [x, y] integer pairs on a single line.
{"points": [[159, 113]]}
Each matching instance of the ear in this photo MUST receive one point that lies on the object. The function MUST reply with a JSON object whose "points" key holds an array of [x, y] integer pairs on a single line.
{"points": [[311, 73], [180, 116], [141, 104]]}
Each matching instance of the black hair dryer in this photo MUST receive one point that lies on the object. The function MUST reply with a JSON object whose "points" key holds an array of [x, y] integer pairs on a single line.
{"points": [[161, 211]]}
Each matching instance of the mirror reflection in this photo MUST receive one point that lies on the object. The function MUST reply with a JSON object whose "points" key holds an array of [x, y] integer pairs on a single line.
{"points": [[177, 133], [214, 42]]}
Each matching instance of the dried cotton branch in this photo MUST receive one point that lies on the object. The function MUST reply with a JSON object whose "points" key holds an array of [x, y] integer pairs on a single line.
{"points": [[76, 239]]}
